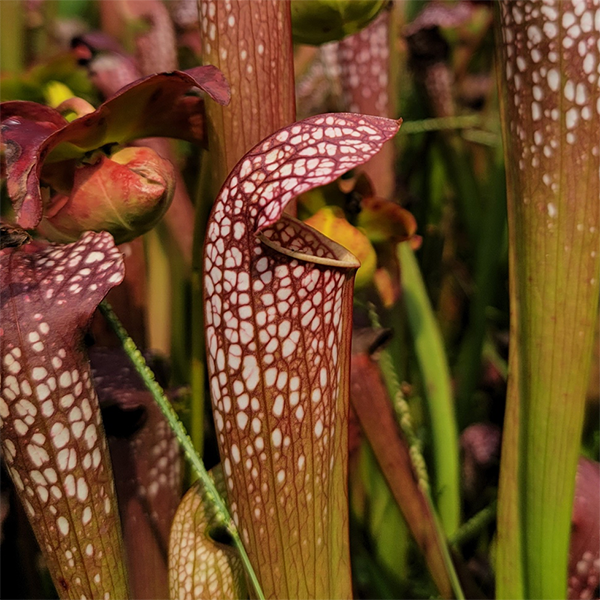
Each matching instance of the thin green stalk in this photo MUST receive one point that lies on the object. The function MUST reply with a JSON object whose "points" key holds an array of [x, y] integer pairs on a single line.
{"points": [[439, 124], [198, 368], [159, 293], [474, 525], [221, 511], [489, 247], [431, 356], [401, 408], [12, 45]]}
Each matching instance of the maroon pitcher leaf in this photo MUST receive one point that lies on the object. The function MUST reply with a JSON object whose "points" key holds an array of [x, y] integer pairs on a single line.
{"points": [[52, 436], [584, 550], [147, 468], [550, 99], [199, 566], [155, 106], [364, 60], [25, 128], [251, 43], [278, 319]]}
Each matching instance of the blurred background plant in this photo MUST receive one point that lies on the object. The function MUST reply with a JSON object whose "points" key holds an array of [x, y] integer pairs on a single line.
{"points": [[427, 217]]}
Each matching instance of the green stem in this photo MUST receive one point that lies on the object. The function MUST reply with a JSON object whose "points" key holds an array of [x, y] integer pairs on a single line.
{"points": [[430, 353], [221, 512], [159, 293], [11, 41], [401, 408], [474, 525], [460, 174], [198, 368], [493, 228], [440, 124]]}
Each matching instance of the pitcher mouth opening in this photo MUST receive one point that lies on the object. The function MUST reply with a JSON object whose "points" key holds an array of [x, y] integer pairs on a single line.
{"points": [[339, 257]]}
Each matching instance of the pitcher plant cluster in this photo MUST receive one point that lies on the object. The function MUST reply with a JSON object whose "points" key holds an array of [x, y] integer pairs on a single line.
{"points": [[261, 337]]}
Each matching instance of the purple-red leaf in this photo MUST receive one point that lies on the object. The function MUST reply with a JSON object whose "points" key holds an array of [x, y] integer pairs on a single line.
{"points": [[147, 467], [52, 435], [584, 550], [155, 106], [364, 60], [373, 408], [278, 319], [25, 128]]}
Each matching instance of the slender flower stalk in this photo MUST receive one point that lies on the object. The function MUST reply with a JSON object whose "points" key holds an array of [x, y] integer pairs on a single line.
{"points": [[278, 309], [549, 63], [220, 513]]}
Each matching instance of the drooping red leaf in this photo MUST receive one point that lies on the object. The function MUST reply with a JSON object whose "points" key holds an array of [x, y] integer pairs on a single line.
{"points": [[149, 107], [32, 111], [278, 320], [147, 467], [25, 128], [373, 407], [52, 435], [155, 106]]}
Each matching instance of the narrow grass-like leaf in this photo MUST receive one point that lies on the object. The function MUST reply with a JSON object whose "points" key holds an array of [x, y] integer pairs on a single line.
{"points": [[278, 314], [549, 64], [429, 348], [199, 565], [52, 435]]}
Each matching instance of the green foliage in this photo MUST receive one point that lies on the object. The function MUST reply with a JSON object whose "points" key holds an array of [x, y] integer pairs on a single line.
{"points": [[470, 280]]}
